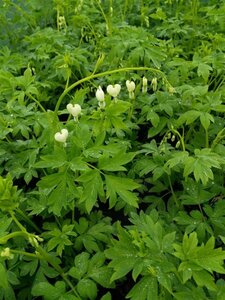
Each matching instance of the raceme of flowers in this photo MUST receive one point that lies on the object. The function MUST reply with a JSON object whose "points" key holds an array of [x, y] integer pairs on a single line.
{"points": [[113, 91]]}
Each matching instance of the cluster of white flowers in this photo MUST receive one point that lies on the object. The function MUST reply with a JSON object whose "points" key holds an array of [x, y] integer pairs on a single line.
{"points": [[75, 111], [113, 91]]}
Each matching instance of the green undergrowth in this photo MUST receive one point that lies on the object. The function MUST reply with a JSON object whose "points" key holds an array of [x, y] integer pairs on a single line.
{"points": [[112, 150]]}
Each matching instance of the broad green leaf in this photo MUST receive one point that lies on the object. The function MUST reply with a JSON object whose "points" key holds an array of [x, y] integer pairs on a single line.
{"points": [[145, 289], [122, 187], [3, 275], [48, 291], [116, 162], [123, 254], [205, 119], [81, 262], [189, 117], [201, 165], [55, 160], [199, 258], [178, 158], [204, 278], [87, 289], [92, 188], [107, 296], [153, 117], [203, 70]]}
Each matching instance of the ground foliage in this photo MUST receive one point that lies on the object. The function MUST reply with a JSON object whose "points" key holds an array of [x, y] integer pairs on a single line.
{"points": [[127, 202]]}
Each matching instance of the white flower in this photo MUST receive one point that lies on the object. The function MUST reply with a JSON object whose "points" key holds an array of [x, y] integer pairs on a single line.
{"points": [[113, 90], [100, 95], [61, 136], [154, 84], [74, 110], [144, 81], [144, 84], [130, 86]]}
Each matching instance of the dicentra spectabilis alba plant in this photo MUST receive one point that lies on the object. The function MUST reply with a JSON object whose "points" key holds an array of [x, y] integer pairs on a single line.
{"points": [[144, 85], [62, 136], [113, 90], [130, 87], [74, 110]]}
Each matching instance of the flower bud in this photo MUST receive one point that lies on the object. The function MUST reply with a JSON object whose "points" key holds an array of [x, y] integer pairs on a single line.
{"points": [[100, 94], [113, 90], [61, 136], [6, 253], [144, 84], [154, 84]]}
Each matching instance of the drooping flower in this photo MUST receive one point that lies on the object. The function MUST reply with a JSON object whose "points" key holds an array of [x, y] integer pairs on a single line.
{"points": [[74, 110], [62, 136], [144, 84], [113, 90], [154, 84], [100, 95], [130, 87]]}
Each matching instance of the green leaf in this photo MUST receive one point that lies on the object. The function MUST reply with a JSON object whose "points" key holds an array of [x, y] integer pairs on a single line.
{"points": [[196, 259], [189, 117], [122, 187], [87, 289], [3, 275], [92, 188], [205, 119], [107, 296], [203, 70], [153, 117], [178, 159], [123, 254], [201, 165], [55, 160], [145, 289], [203, 278], [49, 291], [116, 162], [81, 262]]}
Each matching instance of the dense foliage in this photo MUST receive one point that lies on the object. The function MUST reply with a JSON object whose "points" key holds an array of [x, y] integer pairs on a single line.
{"points": [[112, 149]]}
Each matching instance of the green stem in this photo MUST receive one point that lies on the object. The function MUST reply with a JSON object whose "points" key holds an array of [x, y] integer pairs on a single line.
{"points": [[21, 227], [24, 253], [37, 102], [172, 191], [4, 239], [181, 139], [92, 76], [108, 25], [25, 217], [219, 137]]}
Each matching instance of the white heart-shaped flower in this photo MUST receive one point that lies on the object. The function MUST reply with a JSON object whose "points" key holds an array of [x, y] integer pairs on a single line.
{"points": [[130, 86], [100, 94], [113, 90], [74, 110], [61, 136]]}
